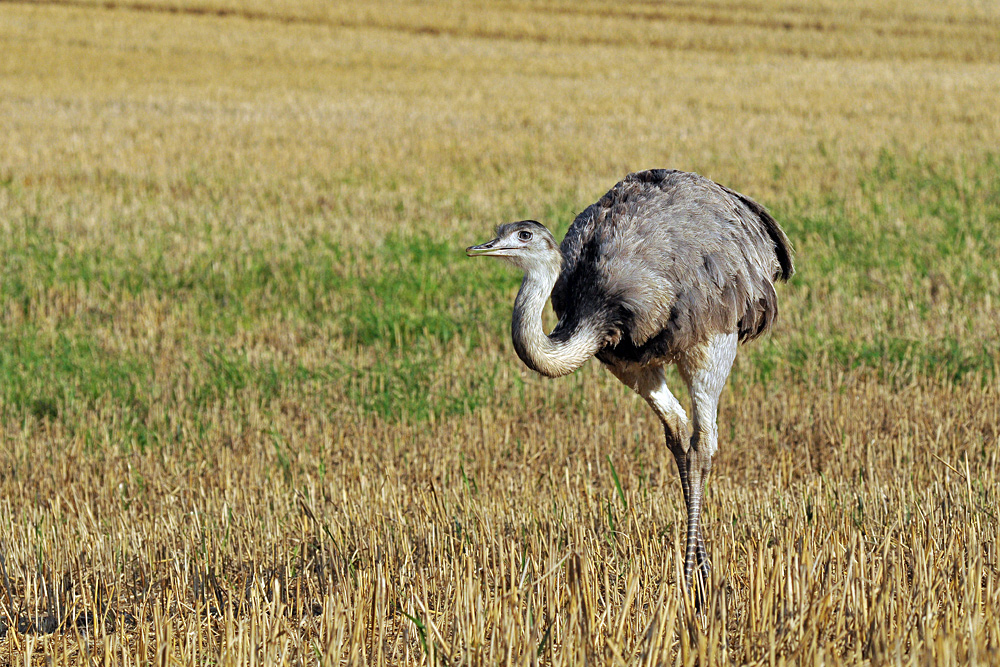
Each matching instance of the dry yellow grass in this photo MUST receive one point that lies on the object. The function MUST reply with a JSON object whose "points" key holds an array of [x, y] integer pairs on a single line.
{"points": [[258, 410]]}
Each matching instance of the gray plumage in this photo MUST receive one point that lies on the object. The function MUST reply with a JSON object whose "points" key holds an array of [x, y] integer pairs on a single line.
{"points": [[666, 268], [666, 258]]}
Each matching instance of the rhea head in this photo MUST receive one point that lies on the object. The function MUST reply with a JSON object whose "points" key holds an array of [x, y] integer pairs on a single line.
{"points": [[526, 244]]}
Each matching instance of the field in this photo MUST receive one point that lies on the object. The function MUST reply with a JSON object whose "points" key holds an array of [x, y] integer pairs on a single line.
{"points": [[257, 407]]}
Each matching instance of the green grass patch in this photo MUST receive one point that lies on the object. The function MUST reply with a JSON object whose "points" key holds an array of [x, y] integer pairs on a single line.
{"points": [[911, 220], [919, 234], [913, 232], [422, 297], [425, 291], [51, 376]]}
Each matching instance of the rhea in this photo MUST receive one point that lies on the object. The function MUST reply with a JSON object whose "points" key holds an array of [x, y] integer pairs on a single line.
{"points": [[667, 268]]}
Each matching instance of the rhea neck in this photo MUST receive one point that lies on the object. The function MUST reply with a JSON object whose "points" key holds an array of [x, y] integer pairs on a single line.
{"points": [[552, 356]]}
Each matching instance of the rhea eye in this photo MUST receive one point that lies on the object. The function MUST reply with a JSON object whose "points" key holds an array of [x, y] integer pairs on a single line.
{"points": [[524, 235]]}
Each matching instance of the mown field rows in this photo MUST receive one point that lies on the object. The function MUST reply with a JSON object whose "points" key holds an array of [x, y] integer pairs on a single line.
{"points": [[257, 406]]}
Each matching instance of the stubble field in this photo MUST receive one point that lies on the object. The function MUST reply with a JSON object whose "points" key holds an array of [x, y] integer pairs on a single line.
{"points": [[258, 408]]}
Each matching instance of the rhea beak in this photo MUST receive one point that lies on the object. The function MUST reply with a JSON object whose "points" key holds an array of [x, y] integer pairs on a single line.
{"points": [[485, 249]]}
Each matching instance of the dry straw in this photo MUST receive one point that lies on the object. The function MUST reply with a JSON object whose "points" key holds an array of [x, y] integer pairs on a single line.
{"points": [[257, 409]]}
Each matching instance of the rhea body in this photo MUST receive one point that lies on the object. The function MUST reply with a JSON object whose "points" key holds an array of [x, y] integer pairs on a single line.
{"points": [[666, 268]]}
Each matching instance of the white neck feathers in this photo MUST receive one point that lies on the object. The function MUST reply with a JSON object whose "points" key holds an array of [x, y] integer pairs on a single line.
{"points": [[538, 351]]}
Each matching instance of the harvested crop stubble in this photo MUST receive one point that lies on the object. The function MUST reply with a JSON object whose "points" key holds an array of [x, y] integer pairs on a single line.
{"points": [[255, 407]]}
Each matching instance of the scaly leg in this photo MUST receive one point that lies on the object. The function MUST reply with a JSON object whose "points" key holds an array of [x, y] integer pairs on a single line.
{"points": [[650, 383], [705, 371]]}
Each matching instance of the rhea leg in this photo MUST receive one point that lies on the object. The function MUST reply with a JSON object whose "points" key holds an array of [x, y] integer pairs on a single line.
{"points": [[705, 371], [650, 383]]}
